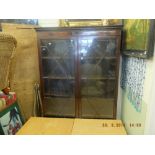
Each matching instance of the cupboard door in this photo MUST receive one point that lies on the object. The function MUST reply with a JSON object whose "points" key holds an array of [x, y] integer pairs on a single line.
{"points": [[58, 77], [97, 76]]}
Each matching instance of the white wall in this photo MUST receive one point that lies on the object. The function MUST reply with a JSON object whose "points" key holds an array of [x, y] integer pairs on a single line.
{"points": [[149, 96]]}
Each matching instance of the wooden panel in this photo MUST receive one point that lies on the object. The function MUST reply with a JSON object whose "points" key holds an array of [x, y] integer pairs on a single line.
{"points": [[50, 35], [90, 28], [47, 126], [98, 127], [68, 34]]}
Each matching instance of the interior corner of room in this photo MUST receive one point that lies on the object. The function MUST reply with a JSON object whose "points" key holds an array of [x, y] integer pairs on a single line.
{"points": [[77, 76]]}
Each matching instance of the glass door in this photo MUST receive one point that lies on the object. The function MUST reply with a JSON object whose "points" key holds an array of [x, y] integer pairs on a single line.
{"points": [[58, 77], [97, 76]]}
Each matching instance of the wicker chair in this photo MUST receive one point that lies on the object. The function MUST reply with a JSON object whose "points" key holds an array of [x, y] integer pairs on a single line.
{"points": [[7, 47]]}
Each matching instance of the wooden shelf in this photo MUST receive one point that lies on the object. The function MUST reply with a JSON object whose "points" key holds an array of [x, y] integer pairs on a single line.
{"points": [[56, 95], [84, 58], [55, 58], [97, 96], [98, 78], [58, 78], [82, 78], [106, 57]]}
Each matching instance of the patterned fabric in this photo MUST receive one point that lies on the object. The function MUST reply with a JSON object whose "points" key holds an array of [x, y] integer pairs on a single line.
{"points": [[132, 79]]}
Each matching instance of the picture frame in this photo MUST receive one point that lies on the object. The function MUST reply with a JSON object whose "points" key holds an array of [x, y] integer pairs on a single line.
{"points": [[138, 37], [89, 22], [10, 120]]}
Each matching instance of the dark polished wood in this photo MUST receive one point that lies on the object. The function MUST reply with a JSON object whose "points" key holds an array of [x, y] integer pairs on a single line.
{"points": [[79, 28], [101, 35]]}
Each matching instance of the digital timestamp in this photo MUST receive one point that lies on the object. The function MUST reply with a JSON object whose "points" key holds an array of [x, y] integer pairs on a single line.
{"points": [[121, 125]]}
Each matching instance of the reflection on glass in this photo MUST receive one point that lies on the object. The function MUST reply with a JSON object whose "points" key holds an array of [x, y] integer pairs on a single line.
{"points": [[58, 67], [97, 48]]}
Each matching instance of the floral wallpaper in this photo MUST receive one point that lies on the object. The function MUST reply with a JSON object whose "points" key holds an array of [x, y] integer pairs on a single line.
{"points": [[132, 79]]}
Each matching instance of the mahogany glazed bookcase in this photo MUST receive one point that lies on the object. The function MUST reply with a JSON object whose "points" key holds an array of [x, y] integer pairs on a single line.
{"points": [[79, 69]]}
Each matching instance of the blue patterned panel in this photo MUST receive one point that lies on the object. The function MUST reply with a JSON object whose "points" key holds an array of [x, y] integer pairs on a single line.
{"points": [[132, 79]]}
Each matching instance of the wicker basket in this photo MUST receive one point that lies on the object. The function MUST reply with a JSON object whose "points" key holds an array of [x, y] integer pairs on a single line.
{"points": [[7, 47]]}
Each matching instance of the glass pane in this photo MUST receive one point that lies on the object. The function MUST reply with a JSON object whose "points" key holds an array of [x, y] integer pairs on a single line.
{"points": [[98, 77], [97, 88], [58, 67], [58, 77], [57, 48], [59, 87], [97, 47]]}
